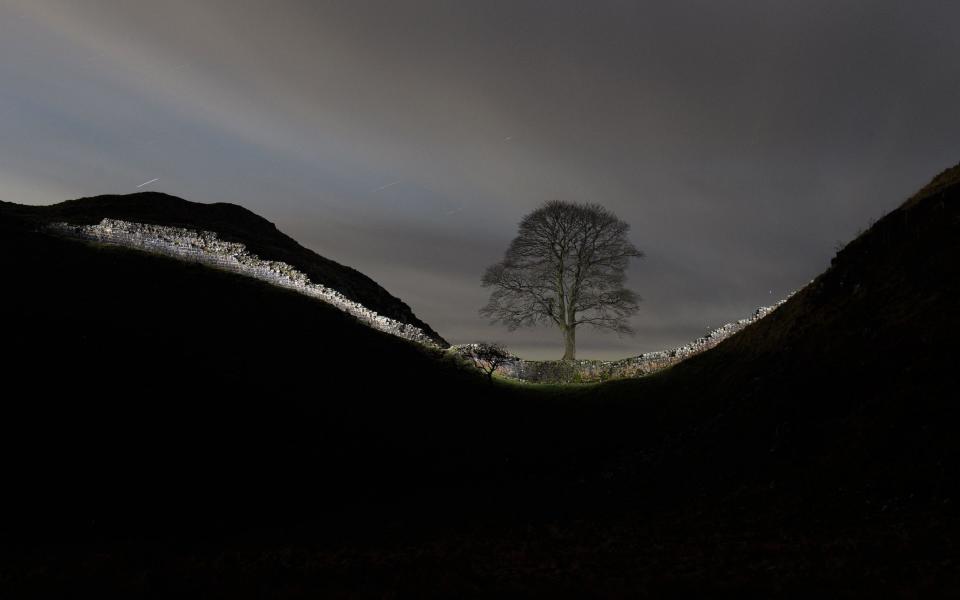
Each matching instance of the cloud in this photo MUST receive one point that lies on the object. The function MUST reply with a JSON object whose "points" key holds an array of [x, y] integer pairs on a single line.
{"points": [[741, 140]]}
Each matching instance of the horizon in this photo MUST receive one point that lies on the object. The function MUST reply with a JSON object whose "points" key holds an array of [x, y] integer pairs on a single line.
{"points": [[408, 142]]}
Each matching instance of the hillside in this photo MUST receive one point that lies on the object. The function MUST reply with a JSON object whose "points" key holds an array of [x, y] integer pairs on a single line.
{"points": [[129, 369], [180, 430], [232, 223], [852, 375]]}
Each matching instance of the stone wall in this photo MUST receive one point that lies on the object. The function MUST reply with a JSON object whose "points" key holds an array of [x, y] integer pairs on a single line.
{"points": [[204, 247], [588, 371]]}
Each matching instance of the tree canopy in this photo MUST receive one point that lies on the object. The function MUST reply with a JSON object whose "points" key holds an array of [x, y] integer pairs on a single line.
{"points": [[566, 267]]}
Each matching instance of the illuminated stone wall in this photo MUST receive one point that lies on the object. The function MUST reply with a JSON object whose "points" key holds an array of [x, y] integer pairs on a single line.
{"points": [[206, 248]]}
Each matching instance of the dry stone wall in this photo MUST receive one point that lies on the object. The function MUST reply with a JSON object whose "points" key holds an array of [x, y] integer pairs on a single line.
{"points": [[206, 248], [585, 371]]}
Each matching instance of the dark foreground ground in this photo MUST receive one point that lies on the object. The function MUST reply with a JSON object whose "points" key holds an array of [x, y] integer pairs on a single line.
{"points": [[169, 430]]}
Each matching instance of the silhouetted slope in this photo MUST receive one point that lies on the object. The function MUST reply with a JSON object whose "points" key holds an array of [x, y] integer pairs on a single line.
{"points": [[812, 454], [232, 223], [127, 373], [844, 395]]}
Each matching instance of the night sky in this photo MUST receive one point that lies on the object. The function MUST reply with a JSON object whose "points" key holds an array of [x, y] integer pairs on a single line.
{"points": [[741, 140]]}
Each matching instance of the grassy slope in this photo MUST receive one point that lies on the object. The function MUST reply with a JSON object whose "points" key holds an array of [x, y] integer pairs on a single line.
{"points": [[814, 450], [850, 379], [140, 371], [233, 223]]}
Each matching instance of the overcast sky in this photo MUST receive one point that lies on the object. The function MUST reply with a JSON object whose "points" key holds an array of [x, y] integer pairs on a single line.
{"points": [[741, 140]]}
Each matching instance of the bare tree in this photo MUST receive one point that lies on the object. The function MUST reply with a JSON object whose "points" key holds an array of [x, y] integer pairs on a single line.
{"points": [[486, 356], [565, 266]]}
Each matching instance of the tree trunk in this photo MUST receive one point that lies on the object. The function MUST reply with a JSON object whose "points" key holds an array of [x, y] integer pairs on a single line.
{"points": [[569, 342]]}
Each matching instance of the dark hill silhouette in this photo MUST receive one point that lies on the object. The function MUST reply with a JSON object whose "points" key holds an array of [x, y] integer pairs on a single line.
{"points": [[233, 223], [849, 386], [180, 429]]}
